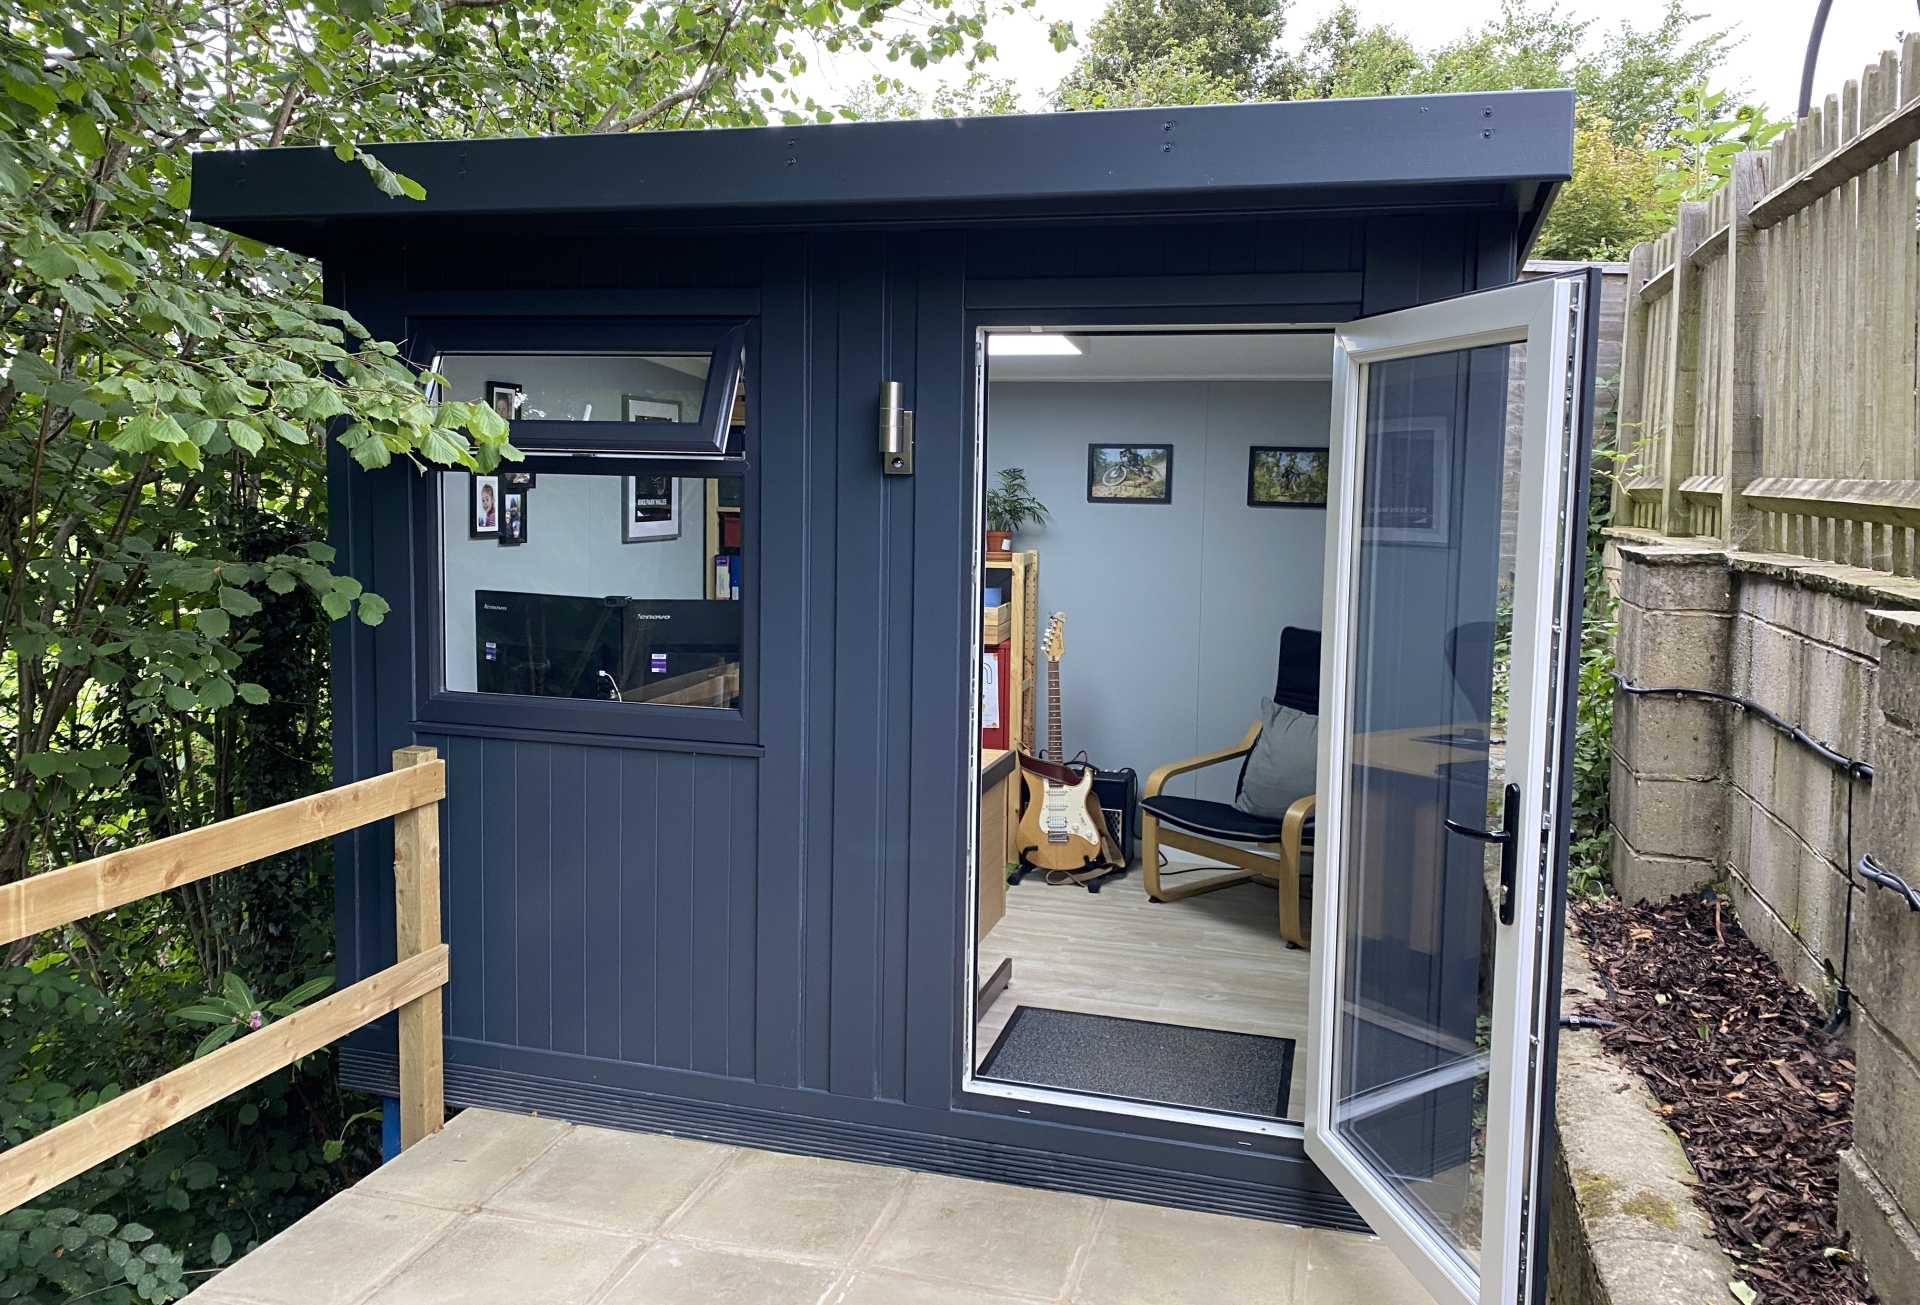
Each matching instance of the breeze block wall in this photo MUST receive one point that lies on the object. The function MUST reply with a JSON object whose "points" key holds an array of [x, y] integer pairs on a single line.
{"points": [[1705, 794]]}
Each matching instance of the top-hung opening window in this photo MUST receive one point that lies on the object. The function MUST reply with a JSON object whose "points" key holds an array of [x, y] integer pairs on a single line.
{"points": [[654, 389]]}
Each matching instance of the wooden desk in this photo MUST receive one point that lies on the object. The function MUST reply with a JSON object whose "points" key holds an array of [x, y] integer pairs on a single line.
{"points": [[996, 830]]}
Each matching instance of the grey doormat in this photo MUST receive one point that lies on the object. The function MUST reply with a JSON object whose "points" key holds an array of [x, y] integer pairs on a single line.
{"points": [[1207, 1069]]}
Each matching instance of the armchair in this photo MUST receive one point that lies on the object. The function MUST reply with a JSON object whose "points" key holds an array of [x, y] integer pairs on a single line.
{"points": [[1260, 847]]}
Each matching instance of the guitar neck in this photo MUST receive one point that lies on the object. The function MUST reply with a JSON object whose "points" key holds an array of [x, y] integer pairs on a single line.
{"points": [[1056, 750]]}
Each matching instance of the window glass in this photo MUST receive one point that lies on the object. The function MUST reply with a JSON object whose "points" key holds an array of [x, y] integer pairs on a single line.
{"points": [[621, 588], [653, 387]]}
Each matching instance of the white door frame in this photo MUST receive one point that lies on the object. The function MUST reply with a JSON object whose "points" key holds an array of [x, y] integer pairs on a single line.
{"points": [[1548, 316]]}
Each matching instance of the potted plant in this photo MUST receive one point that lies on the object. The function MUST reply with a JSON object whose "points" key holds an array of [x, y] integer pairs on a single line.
{"points": [[1011, 506]]}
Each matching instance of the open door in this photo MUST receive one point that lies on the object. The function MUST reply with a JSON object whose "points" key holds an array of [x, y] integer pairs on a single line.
{"points": [[1454, 559]]}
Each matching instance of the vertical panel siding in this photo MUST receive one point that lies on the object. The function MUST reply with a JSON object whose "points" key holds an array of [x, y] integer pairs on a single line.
{"points": [[791, 586], [943, 557], [600, 902], [821, 342], [863, 825], [636, 983], [795, 919]]}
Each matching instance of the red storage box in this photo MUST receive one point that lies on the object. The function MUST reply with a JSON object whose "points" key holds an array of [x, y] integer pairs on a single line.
{"points": [[993, 697]]}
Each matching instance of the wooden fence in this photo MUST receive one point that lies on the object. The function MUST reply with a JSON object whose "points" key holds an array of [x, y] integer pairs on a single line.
{"points": [[411, 794], [1768, 371]]}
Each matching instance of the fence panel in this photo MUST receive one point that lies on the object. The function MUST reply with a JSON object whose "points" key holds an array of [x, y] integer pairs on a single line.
{"points": [[1768, 386]]}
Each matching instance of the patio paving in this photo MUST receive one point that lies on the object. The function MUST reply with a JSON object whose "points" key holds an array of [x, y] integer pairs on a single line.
{"points": [[515, 1208]]}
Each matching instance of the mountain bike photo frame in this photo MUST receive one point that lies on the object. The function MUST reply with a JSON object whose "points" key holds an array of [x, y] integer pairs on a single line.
{"points": [[1129, 473], [1286, 476]]}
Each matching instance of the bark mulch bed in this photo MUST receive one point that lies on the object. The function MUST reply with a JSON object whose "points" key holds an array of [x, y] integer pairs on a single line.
{"points": [[1760, 1100]]}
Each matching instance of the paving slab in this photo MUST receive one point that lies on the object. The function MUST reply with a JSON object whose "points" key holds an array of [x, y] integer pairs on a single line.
{"points": [[490, 1258], [334, 1256], [1146, 1255], [791, 1205], [516, 1209], [622, 1182], [474, 1156], [985, 1235], [675, 1273]]}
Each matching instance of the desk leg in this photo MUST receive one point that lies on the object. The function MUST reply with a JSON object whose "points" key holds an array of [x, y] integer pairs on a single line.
{"points": [[993, 987]]}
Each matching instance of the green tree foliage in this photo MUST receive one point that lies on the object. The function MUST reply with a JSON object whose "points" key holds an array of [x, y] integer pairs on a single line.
{"points": [[1642, 142], [981, 95], [165, 589], [1142, 52], [1699, 153], [1612, 203], [1632, 81]]}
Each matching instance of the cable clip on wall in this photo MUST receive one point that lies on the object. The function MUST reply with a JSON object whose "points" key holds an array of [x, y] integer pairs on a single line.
{"points": [[1854, 769]]}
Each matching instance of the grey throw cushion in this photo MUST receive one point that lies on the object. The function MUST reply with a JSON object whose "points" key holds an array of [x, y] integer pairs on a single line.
{"points": [[1280, 769]]}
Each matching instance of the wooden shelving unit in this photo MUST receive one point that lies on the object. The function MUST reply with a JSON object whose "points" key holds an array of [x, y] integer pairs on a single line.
{"points": [[1024, 598], [715, 512]]}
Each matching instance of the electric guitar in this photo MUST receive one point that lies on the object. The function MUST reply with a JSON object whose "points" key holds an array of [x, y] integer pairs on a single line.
{"points": [[1062, 828]]}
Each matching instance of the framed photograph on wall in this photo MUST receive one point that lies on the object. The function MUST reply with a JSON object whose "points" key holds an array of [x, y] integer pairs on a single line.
{"points": [[1286, 477], [1409, 482], [483, 507], [635, 408], [513, 517], [505, 398], [1129, 473], [650, 508]]}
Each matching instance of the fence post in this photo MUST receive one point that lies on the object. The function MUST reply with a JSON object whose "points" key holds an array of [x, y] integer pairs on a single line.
{"points": [[1676, 515], [416, 912], [1630, 421], [1745, 341]]}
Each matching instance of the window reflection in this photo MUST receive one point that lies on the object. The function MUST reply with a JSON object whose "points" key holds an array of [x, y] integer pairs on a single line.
{"points": [[617, 588]]}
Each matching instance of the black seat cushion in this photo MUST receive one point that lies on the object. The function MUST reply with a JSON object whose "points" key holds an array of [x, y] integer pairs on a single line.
{"points": [[1219, 820]]}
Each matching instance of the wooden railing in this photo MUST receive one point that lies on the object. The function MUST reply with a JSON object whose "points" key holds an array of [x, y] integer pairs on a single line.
{"points": [[411, 795], [1768, 376]]}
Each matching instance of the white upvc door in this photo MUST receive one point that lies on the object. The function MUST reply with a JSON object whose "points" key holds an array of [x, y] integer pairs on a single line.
{"points": [[1453, 511]]}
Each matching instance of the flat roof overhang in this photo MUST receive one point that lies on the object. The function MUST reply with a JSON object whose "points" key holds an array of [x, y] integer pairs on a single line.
{"points": [[1503, 150]]}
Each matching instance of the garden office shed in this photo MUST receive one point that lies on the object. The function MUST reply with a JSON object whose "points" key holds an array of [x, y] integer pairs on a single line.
{"points": [[735, 690]]}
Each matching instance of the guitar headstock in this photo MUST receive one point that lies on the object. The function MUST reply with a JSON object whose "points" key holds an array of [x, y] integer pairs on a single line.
{"points": [[1055, 643]]}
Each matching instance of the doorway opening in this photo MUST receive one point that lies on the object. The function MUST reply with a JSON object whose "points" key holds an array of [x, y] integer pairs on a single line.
{"points": [[1156, 629]]}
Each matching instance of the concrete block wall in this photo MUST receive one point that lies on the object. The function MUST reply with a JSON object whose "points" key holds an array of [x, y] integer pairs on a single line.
{"points": [[1669, 784], [1706, 794], [1880, 1177]]}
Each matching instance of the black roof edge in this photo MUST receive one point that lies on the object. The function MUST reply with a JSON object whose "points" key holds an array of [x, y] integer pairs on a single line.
{"points": [[1262, 155]]}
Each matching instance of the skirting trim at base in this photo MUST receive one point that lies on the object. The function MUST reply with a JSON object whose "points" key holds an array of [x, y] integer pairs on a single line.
{"points": [[580, 1103]]}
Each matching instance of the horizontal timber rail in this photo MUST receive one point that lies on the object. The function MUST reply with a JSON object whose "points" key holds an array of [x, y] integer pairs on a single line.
{"points": [[1769, 366], [411, 796]]}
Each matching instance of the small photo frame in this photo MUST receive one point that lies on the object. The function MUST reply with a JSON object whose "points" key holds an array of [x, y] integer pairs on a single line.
{"points": [[514, 482], [1407, 494], [505, 398], [513, 518], [635, 408], [1286, 477], [1129, 473], [483, 507], [649, 508]]}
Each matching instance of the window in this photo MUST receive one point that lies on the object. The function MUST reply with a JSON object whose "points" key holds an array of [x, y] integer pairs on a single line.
{"points": [[608, 587], [675, 390]]}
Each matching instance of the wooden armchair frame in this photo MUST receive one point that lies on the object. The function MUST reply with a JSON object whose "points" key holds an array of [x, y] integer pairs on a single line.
{"points": [[1279, 862]]}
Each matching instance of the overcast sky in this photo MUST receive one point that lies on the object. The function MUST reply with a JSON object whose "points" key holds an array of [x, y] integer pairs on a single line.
{"points": [[1771, 36]]}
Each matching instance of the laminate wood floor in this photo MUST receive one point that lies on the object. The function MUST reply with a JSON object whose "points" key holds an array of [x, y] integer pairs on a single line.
{"points": [[1211, 962]]}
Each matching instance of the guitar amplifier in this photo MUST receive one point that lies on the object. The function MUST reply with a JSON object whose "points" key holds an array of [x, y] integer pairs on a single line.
{"points": [[1119, 792]]}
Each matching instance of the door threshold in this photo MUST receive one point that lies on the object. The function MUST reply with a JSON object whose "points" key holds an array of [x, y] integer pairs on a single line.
{"points": [[1088, 1101]]}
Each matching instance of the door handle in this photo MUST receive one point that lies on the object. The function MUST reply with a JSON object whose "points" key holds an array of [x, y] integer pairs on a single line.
{"points": [[1509, 846]]}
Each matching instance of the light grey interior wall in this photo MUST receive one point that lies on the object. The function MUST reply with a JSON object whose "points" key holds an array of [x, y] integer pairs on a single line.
{"points": [[573, 547], [580, 387], [1173, 612]]}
